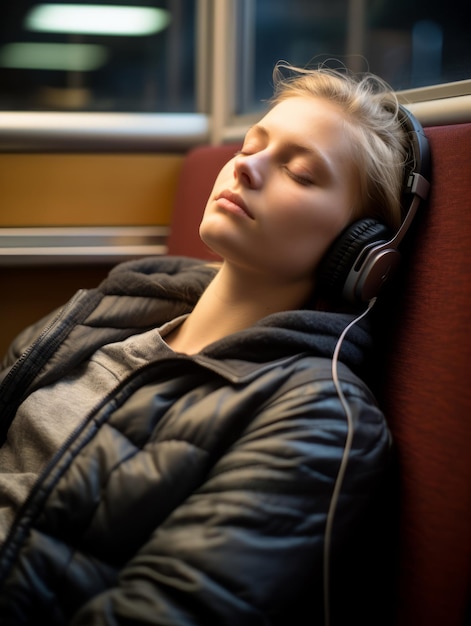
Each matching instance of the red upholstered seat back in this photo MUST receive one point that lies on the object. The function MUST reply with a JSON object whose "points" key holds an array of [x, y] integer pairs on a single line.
{"points": [[198, 173], [426, 393], [425, 386]]}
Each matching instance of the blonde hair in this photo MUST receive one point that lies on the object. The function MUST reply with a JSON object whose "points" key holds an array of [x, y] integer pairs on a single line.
{"points": [[371, 111]]}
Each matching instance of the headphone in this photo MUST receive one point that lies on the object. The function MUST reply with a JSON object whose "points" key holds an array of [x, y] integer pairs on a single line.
{"points": [[365, 256]]}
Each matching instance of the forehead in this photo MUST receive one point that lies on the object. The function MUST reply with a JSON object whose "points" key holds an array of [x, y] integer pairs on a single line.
{"points": [[309, 119], [313, 123]]}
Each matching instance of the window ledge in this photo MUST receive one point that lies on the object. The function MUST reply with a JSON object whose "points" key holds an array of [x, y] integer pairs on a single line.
{"points": [[57, 131], [79, 245]]}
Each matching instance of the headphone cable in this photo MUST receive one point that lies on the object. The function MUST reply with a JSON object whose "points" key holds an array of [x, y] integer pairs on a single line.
{"points": [[343, 462]]}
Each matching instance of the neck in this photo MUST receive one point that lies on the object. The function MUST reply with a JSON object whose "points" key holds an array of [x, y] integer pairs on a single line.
{"points": [[233, 301]]}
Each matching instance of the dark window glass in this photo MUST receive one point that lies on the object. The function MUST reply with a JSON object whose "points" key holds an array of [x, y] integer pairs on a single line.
{"points": [[151, 71], [409, 43]]}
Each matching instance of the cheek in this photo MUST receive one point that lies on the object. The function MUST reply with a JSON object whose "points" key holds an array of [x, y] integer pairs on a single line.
{"points": [[305, 230], [317, 218]]}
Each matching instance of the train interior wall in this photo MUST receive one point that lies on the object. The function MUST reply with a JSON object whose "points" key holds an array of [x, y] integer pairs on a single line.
{"points": [[74, 190]]}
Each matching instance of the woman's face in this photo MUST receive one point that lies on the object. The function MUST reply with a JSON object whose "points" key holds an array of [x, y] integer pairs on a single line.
{"points": [[278, 205]]}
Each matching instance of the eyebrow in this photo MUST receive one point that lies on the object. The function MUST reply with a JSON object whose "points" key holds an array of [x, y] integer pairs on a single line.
{"points": [[321, 159]]}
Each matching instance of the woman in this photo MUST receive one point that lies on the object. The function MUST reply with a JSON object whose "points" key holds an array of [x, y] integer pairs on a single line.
{"points": [[172, 440]]}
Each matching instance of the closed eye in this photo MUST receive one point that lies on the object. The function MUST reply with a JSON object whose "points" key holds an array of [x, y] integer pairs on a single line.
{"points": [[302, 179]]}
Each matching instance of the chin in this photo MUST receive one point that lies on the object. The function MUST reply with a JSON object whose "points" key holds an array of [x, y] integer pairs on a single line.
{"points": [[216, 236]]}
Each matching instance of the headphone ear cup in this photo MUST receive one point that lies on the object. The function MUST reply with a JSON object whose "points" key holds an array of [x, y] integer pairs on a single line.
{"points": [[344, 252]]}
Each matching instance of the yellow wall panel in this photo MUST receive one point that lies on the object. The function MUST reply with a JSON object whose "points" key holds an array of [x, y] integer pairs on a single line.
{"points": [[87, 189], [46, 190]]}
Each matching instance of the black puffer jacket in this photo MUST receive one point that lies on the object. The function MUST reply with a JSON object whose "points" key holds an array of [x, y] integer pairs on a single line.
{"points": [[198, 493]]}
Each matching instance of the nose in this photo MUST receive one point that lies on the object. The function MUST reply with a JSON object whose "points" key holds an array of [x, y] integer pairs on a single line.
{"points": [[250, 169]]}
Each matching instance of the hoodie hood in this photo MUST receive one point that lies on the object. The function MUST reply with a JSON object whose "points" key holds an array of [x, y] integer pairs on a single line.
{"points": [[304, 331], [180, 281]]}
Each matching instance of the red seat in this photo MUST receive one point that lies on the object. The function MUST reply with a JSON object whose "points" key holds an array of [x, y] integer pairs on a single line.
{"points": [[197, 176], [426, 394]]}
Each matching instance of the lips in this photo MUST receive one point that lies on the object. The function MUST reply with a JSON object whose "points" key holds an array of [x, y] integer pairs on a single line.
{"points": [[232, 200]]}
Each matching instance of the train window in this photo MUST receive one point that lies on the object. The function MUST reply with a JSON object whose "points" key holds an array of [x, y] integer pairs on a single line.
{"points": [[101, 56], [409, 44]]}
